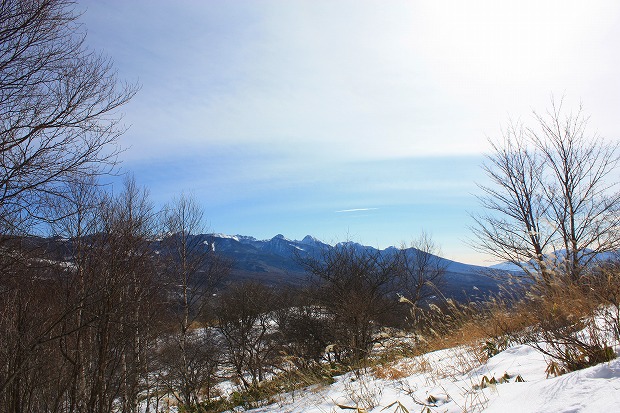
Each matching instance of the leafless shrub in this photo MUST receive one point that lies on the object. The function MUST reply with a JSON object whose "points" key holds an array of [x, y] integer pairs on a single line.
{"points": [[245, 321], [355, 287], [363, 391]]}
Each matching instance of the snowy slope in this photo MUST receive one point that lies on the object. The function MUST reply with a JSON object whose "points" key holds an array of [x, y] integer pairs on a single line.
{"points": [[449, 381], [595, 389]]}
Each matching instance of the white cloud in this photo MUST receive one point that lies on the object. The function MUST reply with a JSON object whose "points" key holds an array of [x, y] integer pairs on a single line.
{"points": [[356, 210], [355, 79]]}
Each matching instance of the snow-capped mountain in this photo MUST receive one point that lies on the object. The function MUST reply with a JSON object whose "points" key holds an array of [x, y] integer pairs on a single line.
{"points": [[275, 261]]}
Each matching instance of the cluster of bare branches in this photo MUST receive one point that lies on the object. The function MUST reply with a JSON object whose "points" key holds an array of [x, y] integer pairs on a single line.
{"points": [[80, 319], [106, 314], [58, 108], [361, 290], [554, 211], [553, 206]]}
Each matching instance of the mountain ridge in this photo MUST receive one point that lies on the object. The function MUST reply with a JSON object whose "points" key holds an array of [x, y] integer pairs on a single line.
{"points": [[275, 261]]}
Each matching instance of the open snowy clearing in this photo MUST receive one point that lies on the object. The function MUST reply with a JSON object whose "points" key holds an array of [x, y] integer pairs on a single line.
{"points": [[453, 380]]}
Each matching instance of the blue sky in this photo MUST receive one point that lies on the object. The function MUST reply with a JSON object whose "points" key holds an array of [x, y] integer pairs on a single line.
{"points": [[362, 120]]}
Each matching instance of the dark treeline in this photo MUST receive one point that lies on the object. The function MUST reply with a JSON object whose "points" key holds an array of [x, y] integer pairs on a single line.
{"points": [[82, 333]]}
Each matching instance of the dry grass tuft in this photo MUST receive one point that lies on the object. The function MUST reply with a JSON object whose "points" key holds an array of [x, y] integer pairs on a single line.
{"points": [[390, 372]]}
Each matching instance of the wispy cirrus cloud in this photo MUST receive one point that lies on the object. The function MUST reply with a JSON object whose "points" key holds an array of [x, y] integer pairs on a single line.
{"points": [[355, 210]]}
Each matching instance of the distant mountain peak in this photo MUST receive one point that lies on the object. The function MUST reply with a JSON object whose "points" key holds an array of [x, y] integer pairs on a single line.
{"points": [[309, 239], [276, 261], [224, 236], [349, 244]]}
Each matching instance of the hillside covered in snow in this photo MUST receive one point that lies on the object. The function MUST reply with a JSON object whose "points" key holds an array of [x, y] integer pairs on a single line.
{"points": [[455, 380]]}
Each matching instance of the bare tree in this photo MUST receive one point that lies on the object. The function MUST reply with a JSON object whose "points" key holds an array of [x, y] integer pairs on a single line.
{"points": [[31, 319], [49, 358], [77, 333], [131, 227], [77, 218], [123, 304], [420, 274], [357, 288], [421, 270], [553, 205], [193, 270], [304, 329], [58, 103], [245, 320], [58, 126]]}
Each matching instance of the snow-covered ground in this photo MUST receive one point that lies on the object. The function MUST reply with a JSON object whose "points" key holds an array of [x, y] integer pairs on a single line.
{"points": [[454, 380]]}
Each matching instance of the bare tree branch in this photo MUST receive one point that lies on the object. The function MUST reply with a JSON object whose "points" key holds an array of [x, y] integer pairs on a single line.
{"points": [[553, 205]]}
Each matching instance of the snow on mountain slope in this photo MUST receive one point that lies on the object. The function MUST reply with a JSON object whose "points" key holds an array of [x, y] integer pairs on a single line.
{"points": [[506, 266], [595, 389], [276, 261], [448, 381]]}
